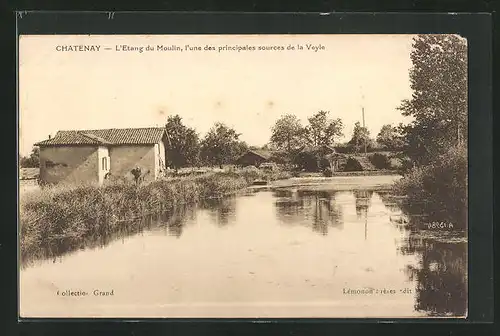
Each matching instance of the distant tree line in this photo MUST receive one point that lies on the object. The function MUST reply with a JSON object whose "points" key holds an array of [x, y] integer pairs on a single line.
{"points": [[32, 160], [221, 145], [289, 137]]}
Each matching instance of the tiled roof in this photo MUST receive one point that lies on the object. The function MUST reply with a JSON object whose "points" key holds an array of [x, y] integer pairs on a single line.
{"points": [[96, 138], [114, 136]]}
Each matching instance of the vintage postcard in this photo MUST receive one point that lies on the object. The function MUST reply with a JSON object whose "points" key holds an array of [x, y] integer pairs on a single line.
{"points": [[243, 176]]}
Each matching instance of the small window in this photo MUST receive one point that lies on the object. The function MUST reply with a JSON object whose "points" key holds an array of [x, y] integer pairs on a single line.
{"points": [[104, 163]]}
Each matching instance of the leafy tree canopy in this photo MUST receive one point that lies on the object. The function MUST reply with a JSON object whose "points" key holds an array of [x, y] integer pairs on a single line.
{"points": [[31, 161], [439, 101], [183, 148], [287, 133], [360, 138], [322, 130], [221, 145], [390, 137]]}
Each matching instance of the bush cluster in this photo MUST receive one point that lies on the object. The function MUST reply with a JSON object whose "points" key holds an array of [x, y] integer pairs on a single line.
{"points": [[440, 186], [352, 165], [380, 161], [328, 172]]}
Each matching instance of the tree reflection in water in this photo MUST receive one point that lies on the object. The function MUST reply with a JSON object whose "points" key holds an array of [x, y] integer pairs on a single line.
{"points": [[221, 210], [389, 201], [363, 202], [175, 220], [315, 209], [441, 274]]}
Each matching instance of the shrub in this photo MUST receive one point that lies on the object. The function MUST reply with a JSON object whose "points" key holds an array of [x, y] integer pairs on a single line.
{"points": [[395, 163], [308, 161], [406, 165], [380, 161], [324, 163], [352, 165], [327, 172], [441, 186], [251, 173]]}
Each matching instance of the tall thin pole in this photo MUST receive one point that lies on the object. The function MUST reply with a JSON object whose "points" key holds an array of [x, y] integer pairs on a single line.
{"points": [[363, 114]]}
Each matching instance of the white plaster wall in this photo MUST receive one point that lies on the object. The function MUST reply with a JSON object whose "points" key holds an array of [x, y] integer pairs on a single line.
{"points": [[162, 155], [72, 164], [103, 152], [159, 159], [127, 157]]}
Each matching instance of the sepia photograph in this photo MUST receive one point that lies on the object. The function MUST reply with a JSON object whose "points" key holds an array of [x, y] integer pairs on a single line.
{"points": [[243, 176]]}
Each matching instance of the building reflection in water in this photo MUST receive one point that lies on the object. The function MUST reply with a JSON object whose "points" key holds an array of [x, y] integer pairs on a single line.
{"points": [[315, 209]]}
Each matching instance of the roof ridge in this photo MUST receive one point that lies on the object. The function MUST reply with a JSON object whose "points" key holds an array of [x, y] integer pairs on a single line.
{"points": [[112, 128], [109, 136], [94, 137], [261, 152]]}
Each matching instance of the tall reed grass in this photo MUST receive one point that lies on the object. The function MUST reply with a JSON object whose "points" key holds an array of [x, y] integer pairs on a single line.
{"points": [[55, 218]]}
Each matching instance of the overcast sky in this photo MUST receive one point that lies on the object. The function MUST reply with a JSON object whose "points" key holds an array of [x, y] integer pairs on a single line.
{"points": [[247, 90]]}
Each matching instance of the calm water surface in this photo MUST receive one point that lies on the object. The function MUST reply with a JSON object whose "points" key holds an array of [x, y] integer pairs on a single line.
{"points": [[281, 253]]}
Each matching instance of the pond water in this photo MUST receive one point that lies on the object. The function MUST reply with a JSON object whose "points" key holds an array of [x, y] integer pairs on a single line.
{"points": [[264, 253]]}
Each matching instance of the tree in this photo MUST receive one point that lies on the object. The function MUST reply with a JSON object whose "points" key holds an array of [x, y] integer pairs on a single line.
{"points": [[323, 131], [360, 138], [32, 161], [221, 145], [287, 133], [183, 148], [438, 105], [390, 138]]}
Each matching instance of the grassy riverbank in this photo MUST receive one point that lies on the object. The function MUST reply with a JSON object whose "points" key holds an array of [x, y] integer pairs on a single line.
{"points": [[439, 188], [54, 218]]}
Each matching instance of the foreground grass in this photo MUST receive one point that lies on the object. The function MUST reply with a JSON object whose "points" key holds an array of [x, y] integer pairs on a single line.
{"points": [[55, 219]]}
